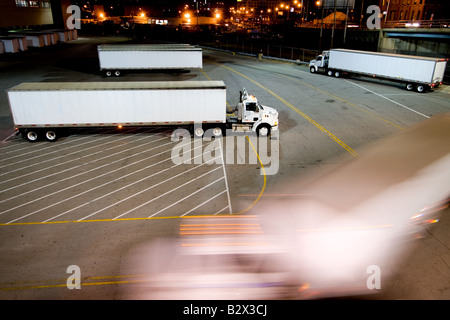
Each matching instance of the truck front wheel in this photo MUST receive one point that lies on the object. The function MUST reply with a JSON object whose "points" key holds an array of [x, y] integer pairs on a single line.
{"points": [[312, 70], [263, 131]]}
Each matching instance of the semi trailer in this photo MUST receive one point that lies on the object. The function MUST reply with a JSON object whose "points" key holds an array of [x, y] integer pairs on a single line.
{"points": [[117, 58], [416, 73], [45, 110]]}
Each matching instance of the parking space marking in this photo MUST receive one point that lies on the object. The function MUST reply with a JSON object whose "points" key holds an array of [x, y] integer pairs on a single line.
{"points": [[204, 202], [46, 153], [190, 195], [140, 192], [82, 173], [164, 194], [97, 187], [53, 159]]}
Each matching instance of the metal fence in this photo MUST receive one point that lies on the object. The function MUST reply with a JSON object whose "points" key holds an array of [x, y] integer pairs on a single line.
{"points": [[258, 46]]}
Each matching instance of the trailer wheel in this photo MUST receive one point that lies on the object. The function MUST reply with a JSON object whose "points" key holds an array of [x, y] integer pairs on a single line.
{"points": [[198, 132], [420, 88], [217, 131], [312, 70], [263, 130], [409, 86], [108, 73], [117, 73], [51, 135], [32, 135]]}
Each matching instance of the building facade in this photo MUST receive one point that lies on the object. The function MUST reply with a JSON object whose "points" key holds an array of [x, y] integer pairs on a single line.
{"points": [[23, 13], [411, 10]]}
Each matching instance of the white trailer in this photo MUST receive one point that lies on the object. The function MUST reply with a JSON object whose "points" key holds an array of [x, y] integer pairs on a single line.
{"points": [[419, 73], [42, 110], [114, 59]]}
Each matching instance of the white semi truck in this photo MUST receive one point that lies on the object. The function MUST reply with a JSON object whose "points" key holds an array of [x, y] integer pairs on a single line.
{"points": [[417, 73], [117, 58], [44, 110]]}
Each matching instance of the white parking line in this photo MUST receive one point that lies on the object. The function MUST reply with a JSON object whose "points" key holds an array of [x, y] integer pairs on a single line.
{"points": [[52, 146], [190, 195], [203, 203], [164, 194], [99, 186], [60, 163], [138, 193], [395, 102], [78, 166], [225, 175]]}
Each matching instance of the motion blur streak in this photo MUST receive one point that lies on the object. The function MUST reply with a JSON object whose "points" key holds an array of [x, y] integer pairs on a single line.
{"points": [[357, 219]]}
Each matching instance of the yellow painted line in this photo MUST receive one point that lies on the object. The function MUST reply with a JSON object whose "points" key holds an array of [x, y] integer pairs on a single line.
{"points": [[20, 285], [347, 102], [265, 179], [82, 221], [305, 116], [336, 97]]}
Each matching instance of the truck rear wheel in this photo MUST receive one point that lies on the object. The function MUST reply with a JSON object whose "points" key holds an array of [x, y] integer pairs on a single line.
{"points": [[32, 135], [420, 88], [409, 86], [51, 135], [217, 131], [330, 73], [199, 132], [337, 74]]}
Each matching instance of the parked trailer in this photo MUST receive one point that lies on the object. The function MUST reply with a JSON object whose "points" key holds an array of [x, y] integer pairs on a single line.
{"points": [[43, 110], [417, 73], [115, 58]]}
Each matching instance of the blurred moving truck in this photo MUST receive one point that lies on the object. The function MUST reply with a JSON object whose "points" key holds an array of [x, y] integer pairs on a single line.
{"points": [[116, 58], [43, 110], [417, 73]]}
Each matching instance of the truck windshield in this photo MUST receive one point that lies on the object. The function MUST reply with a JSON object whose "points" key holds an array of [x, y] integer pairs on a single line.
{"points": [[252, 106]]}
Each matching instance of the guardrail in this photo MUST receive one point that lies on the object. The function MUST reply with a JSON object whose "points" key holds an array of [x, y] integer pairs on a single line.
{"points": [[439, 23]]}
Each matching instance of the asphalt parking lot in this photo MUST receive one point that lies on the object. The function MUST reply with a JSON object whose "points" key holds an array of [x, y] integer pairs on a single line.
{"points": [[94, 195]]}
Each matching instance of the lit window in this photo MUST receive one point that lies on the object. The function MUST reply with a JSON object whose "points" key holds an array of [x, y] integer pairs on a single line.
{"points": [[34, 4], [21, 3]]}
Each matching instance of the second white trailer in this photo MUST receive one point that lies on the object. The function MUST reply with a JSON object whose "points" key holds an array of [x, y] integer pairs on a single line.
{"points": [[416, 72], [114, 59]]}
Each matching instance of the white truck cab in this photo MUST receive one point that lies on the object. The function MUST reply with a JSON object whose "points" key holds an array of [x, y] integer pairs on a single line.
{"points": [[252, 116], [320, 63]]}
